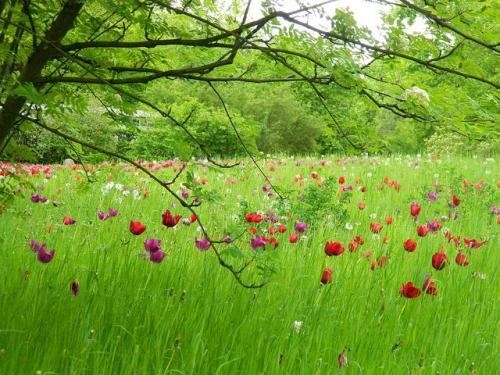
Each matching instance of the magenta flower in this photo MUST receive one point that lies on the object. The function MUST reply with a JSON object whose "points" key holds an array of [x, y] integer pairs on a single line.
{"points": [[36, 246], [202, 244], [185, 194], [44, 256], [152, 245], [75, 287], [300, 226], [432, 196], [112, 212], [495, 210], [102, 216], [257, 242], [157, 256], [37, 198], [227, 240]]}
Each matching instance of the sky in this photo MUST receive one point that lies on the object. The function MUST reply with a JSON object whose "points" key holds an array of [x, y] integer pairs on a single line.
{"points": [[366, 13]]}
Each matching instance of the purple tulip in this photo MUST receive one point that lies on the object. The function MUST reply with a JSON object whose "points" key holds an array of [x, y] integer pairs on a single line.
{"points": [[432, 196], [202, 244], [102, 216], [257, 242], [35, 198], [434, 226], [300, 226], [152, 245], [75, 287], [157, 256], [36, 246], [185, 194], [227, 240], [112, 212], [44, 256]]}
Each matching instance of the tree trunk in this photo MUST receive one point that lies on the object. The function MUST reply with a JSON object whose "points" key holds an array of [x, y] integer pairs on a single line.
{"points": [[37, 61]]}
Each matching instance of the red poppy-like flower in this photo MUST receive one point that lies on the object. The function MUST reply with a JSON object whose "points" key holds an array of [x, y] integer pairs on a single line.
{"points": [[253, 218], [252, 230], [382, 261], [333, 248], [361, 205], [375, 227], [170, 220], [408, 290], [315, 175], [359, 240], [341, 180], [473, 244], [327, 276], [422, 230], [373, 264], [439, 261], [429, 286], [272, 230], [193, 218], [389, 220], [461, 260], [414, 209], [455, 200], [293, 238], [282, 229], [353, 246], [410, 245], [137, 228], [68, 220], [273, 241]]}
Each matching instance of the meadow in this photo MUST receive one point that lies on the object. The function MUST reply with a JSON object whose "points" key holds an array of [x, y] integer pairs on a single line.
{"points": [[104, 303]]}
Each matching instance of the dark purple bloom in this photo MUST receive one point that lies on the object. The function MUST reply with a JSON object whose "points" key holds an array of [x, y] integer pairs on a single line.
{"points": [[112, 212], [36, 246], [44, 256], [152, 245], [102, 216], [75, 287], [185, 194], [35, 198], [157, 256], [347, 188], [300, 226], [227, 240], [257, 242], [434, 226], [202, 244]]}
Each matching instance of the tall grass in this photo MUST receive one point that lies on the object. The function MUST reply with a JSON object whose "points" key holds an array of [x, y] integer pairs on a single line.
{"points": [[187, 315]]}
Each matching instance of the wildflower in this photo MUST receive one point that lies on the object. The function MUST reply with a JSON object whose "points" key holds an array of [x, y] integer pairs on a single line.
{"points": [[157, 256], [293, 238], [170, 220], [327, 277], [75, 287], [152, 245], [439, 261], [137, 228], [257, 242], [455, 201], [429, 286], [473, 244], [44, 256], [300, 226], [461, 260], [434, 226], [102, 216], [227, 239], [341, 180], [375, 227], [253, 218], [297, 325], [68, 220], [432, 196], [422, 231], [202, 244], [410, 245], [361, 205], [112, 212], [408, 290], [348, 226], [333, 248], [414, 210], [389, 220]]}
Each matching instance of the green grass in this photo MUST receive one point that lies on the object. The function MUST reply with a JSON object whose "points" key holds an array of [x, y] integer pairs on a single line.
{"points": [[187, 315]]}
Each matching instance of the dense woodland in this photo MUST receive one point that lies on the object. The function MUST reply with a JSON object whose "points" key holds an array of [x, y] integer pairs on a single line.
{"points": [[156, 79]]}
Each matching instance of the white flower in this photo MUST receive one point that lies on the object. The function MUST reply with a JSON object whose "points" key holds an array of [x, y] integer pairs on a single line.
{"points": [[125, 192], [348, 226], [297, 325], [373, 216], [369, 174], [376, 237], [136, 194], [118, 186]]}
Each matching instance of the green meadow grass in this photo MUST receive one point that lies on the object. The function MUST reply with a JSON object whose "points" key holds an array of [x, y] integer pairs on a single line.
{"points": [[187, 315]]}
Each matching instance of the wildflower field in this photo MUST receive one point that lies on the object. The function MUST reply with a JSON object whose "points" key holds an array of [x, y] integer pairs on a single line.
{"points": [[369, 265]]}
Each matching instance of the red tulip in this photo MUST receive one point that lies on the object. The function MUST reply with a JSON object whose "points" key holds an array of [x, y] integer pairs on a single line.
{"points": [[170, 220], [429, 286], [408, 290], [439, 261], [282, 229], [414, 209], [327, 277], [137, 228], [410, 245], [389, 220], [422, 231], [375, 227], [252, 230], [341, 180], [293, 238], [473, 244], [253, 218], [455, 200], [333, 248], [361, 205], [461, 260], [193, 218], [353, 246]]}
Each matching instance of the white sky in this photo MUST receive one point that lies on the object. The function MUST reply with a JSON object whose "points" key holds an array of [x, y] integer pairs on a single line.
{"points": [[366, 13]]}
